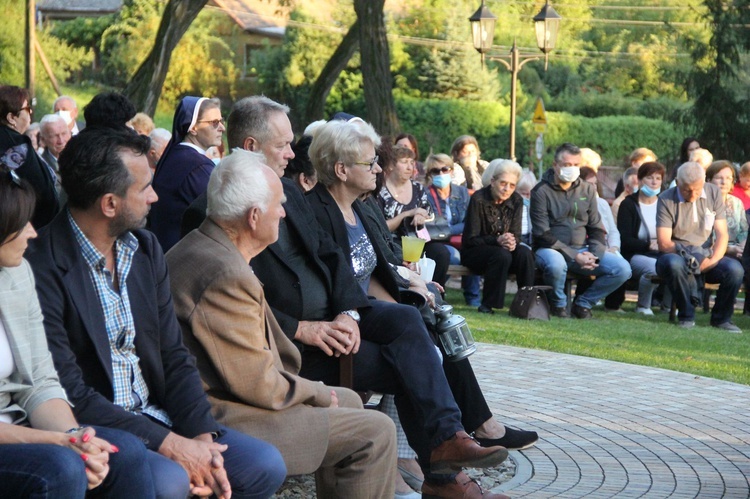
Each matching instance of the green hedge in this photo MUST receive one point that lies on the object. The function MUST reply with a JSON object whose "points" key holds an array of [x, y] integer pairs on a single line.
{"points": [[436, 124]]}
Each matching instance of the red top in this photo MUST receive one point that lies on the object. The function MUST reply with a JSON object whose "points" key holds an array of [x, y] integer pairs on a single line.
{"points": [[740, 193]]}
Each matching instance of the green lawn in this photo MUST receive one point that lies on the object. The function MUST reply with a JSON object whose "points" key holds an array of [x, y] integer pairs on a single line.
{"points": [[630, 338]]}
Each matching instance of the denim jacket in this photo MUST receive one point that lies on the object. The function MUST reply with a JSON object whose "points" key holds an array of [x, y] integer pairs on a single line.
{"points": [[458, 202]]}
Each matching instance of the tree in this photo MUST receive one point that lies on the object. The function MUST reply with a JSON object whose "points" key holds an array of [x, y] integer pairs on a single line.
{"points": [[376, 69], [720, 109], [145, 86]]}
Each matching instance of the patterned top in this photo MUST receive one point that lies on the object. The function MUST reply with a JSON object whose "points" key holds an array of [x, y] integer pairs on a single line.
{"points": [[393, 208], [363, 255], [130, 389], [736, 221]]}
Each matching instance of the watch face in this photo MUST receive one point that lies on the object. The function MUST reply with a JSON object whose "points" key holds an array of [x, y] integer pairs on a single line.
{"points": [[353, 314]]}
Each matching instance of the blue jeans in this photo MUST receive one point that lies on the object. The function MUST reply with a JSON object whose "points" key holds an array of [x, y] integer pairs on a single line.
{"points": [[612, 272], [255, 468], [469, 283], [728, 273], [52, 471]]}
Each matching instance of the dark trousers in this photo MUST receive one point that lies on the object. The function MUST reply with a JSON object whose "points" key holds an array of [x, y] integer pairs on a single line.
{"points": [[398, 356], [54, 471], [495, 263], [438, 252], [727, 273]]}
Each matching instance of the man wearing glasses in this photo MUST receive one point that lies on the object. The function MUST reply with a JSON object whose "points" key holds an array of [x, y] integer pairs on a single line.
{"points": [[183, 170]]}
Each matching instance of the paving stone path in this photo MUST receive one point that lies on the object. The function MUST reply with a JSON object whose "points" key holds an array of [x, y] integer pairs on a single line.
{"points": [[617, 430]]}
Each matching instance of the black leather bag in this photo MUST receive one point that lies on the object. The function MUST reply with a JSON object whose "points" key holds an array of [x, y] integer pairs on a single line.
{"points": [[439, 229], [531, 303]]}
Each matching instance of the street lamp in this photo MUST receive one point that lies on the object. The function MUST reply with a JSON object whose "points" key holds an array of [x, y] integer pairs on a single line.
{"points": [[547, 24]]}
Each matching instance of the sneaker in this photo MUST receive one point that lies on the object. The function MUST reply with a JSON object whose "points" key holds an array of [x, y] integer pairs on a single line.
{"points": [[686, 324], [728, 327], [561, 312], [644, 311], [512, 440], [580, 312]]}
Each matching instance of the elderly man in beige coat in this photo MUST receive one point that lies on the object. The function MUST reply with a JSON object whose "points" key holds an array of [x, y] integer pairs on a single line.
{"points": [[248, 366]]}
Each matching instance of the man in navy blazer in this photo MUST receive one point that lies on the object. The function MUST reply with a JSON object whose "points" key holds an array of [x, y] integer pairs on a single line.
{"points": [[104, 290]]}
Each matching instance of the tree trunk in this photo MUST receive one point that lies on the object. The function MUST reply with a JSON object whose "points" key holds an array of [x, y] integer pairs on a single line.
{"points": [[145, 86], [376, 66], [333, 68]]}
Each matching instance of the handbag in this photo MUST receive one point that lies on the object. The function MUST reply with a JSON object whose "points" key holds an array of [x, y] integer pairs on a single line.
{"points": [[439, 229], [531, 303]]}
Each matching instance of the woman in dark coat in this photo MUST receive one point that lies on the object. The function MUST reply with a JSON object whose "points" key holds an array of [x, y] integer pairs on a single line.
{"points": [[491, 244]]}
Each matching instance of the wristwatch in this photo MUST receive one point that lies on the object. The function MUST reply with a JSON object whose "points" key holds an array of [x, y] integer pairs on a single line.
{"points": [[351, 313]]}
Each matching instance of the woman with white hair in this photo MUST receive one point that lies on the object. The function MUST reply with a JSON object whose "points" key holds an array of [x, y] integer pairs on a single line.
{"points": [[492, 234]]}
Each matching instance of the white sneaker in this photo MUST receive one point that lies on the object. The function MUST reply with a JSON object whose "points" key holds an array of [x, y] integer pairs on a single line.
{"points": [[644, 311]]}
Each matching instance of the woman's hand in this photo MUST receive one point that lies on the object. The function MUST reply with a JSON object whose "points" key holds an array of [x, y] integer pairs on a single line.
{"points": [[419, 216], [94, 452], [507, 241], [653, 245]]}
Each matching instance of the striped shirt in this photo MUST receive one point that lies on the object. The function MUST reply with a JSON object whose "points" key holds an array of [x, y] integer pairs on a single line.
{"points": [[130, 389]]}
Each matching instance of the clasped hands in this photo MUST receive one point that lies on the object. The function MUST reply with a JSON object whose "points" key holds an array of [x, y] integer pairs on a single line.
{"points": [[202, 460], [587, 260], [93, 450], [419, 216], [507, 241], [337, 337]]}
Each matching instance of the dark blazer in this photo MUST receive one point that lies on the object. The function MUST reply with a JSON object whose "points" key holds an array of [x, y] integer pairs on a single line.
{"points": [[331, 220], [281, 282], [74, 324], [35, 172], [180, 178], [194, 215]]}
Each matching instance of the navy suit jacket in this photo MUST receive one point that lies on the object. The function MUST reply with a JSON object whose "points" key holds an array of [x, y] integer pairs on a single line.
{"points": [[75, 328], [281, 282]]}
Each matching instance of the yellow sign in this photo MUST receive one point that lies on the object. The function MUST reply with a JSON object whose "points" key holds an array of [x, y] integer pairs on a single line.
{"points": [[540, 127], [540, 118]]}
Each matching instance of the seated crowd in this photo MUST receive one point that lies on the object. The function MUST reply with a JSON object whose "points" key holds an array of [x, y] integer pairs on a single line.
{"points": [[216, 369]]}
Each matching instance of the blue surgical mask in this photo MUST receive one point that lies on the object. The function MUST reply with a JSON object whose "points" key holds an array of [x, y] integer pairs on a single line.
{"points": [[635, 189], [441, 181], [649, 192]]}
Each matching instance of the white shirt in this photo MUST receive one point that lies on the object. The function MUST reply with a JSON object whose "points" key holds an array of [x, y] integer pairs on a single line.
{"points": [[7, 365], [648, 212]]}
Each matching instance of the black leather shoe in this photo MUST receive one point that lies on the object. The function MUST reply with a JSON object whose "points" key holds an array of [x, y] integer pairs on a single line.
{"points": [[561, 312], [580, 312], [512, 440], [485, 310]]}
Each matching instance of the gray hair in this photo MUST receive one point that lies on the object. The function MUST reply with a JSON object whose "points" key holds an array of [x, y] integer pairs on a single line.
{"points": [[237, 184], [568, 148], [702, 157], [339, 141], [629, 172], [689, 173], [161, 135], [51, 118], [62, 98], [498, 167], [527, 179], [249, 118]]}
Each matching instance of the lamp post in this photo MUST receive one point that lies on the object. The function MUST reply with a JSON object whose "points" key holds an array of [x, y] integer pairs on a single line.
{"points": [[547, 24]]}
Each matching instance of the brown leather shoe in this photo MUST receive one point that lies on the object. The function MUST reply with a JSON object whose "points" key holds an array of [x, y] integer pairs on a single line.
{"points": [[462, 451], [462, 487]]}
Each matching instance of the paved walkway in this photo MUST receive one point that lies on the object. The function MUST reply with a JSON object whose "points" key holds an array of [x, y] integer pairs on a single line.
{"points": [[616, 430]]}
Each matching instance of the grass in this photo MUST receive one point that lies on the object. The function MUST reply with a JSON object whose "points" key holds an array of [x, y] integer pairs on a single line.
{"points": [[630, 338]]}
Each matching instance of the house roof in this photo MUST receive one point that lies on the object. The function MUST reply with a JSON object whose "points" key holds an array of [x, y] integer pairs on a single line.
{"points": [[79, 6], [254, 16]]}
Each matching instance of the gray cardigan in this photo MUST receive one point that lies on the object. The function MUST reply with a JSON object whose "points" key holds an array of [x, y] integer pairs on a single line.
{"points": [[34, 380]]}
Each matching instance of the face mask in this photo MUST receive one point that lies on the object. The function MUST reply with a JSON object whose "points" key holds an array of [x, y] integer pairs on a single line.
{"points": [[441, 181], [635, 189], [468, 161], [65, 115], [648, 191], [569, 173], [526, 202], [216, 161]]}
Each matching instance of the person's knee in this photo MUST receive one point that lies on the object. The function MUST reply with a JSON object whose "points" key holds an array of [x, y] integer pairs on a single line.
{"points": [[348, 398], [267, 476], [381, 430], [670, 264], [733, 273], [552, 263], [64, 470], [171, 481]]}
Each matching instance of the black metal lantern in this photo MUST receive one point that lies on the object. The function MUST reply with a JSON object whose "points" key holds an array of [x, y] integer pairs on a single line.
{"points": [[482, 28], [547, 24]]}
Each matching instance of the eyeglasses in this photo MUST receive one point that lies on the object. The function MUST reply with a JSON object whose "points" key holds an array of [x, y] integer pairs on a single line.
{"points": [[371, 164], [213, 123], [438, 171], [27, 109]]}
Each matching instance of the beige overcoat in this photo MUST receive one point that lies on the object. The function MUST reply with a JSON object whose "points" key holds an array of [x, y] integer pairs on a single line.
{"points": [[248, 366]]}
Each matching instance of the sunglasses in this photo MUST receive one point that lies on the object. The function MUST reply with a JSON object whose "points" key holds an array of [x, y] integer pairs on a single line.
{"points": [[27, 109], [438, 171], [213, 123]]}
